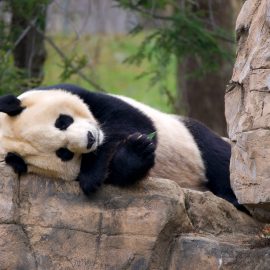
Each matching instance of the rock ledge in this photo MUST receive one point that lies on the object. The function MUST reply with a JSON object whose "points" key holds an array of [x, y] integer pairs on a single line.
{"points": [[50, 224]]}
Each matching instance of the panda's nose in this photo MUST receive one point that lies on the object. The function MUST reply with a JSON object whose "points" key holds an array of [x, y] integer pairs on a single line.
{"points": [[90, 140]]}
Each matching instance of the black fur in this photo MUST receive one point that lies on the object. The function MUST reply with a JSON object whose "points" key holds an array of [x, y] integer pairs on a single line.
{"points": [[10, 105], [16, 162], [64, 154], [63, 121], [132, 160], [127, 154], [216, 155]]}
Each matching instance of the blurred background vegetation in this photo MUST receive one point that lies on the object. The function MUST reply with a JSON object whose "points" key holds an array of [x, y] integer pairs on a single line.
{"points": [[175, 55]]}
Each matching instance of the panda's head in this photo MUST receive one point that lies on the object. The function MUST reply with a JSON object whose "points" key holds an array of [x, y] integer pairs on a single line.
{"points": [[47, 132]]}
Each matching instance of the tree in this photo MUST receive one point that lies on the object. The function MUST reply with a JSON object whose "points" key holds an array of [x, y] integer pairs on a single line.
{"points": [[203, 96], [29, 52], [195, 33], [22, 50]]}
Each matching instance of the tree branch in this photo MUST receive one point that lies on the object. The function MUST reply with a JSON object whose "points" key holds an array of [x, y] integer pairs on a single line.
{"points": [[21, 37], [65, 58], [174, 19]]}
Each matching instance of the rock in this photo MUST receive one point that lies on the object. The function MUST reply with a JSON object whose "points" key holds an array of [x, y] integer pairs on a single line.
{"points": [[8, 195], [15, 249], [204, 253], [115, 228], [248, 111], [50, 224]]}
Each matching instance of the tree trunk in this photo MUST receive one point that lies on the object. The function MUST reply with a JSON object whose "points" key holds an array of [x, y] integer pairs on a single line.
{"points": [[29, 52], [203, 97]]}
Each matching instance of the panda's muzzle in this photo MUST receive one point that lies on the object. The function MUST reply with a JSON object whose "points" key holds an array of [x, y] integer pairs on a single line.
{"points": [[90, 140]]}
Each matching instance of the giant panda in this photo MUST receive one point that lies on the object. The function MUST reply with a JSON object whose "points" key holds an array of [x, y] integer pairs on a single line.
{"points": [[67, 132]]}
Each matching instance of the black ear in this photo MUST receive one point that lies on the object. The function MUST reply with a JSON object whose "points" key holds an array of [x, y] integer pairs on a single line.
{"points": [[16, 162], [11, 105]]}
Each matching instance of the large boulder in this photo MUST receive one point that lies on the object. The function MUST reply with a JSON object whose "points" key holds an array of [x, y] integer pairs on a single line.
{"points": [[247, 103], [50, 224]]}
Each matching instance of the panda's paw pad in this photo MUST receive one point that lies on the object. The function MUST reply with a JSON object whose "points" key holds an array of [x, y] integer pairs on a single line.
{"points": [[141, 145]]}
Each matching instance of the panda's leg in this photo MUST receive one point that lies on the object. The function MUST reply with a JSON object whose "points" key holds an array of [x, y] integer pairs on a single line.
{"points": [[94, 170], [132, 160]]}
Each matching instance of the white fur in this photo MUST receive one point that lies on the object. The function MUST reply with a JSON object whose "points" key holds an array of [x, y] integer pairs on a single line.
{"points": [[177, 156], [33, 135]]}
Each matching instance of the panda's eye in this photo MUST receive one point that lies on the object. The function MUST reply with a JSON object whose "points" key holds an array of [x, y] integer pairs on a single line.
{"points": [[63, 121], [64, 154]]}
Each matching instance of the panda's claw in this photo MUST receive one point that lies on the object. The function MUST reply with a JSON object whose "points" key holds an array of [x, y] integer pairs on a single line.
{"points": [[140, 143], [150, 148]]}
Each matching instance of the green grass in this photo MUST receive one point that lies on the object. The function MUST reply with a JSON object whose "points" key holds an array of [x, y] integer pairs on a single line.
{"points": [[105, 64]]}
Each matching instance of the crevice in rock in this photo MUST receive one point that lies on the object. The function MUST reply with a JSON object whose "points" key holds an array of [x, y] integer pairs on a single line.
{"points": [[87, 232], [260, 68], [262, 108], [9, 223], [242, 104], [231, 86], [58, 228], [187, 207], [262, 90], [253, 129], [98, 238], [162, 251], [261, 243], [29, 245], [242, 33], [128, 263]]}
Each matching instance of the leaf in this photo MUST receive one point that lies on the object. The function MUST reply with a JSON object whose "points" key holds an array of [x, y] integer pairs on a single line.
{"points": [[151, 136]]}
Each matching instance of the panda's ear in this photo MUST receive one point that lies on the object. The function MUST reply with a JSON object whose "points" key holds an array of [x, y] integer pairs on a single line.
{"points": [[10, 105]]}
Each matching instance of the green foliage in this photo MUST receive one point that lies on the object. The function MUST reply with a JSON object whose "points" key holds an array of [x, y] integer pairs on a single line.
{"points": [[72, 66], [105, 56], [151, 136], [148, 4], [183, 33], [28, 8], [12, 79]]}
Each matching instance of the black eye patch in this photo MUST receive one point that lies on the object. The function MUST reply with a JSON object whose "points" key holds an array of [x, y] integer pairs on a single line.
{"points": [[63, 121], [64, 154]]}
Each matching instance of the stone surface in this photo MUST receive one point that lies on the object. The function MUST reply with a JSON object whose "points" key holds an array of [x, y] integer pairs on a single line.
{"points": [[196, 252], [15, 249], [247, 103], [49, 224], [8, 195]]}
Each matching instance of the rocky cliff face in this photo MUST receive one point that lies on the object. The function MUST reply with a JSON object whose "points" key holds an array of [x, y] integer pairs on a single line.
{"points": [[248, 108], [50, 224]]}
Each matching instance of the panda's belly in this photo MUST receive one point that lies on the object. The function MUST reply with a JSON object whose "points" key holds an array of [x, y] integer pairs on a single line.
{"points": [[177, 155]]}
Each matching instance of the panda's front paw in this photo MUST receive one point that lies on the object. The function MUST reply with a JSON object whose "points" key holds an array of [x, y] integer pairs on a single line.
{"points": [[132, 160], [142, 146], [88, 185]]}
